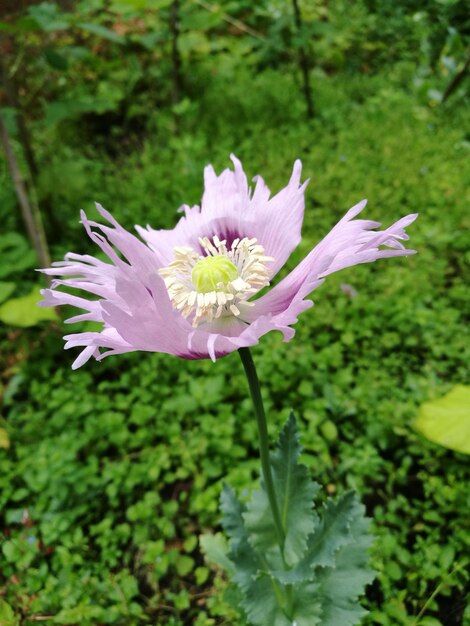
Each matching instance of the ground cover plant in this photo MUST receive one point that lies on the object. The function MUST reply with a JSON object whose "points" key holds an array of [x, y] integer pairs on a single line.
{"points": [[110, 474]]}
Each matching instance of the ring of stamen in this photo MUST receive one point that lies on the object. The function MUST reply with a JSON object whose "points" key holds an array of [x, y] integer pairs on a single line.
{"points": [[218, 283]]}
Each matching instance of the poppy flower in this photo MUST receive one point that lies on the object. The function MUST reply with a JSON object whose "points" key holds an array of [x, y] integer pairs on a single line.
{"points": [[192, 291]]}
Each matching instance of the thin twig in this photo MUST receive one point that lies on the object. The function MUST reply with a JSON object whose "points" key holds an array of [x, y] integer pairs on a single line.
{"points": [[458, 78], [120, 592], [29, 211], [304, 61], [213, 8], [436, 591]]}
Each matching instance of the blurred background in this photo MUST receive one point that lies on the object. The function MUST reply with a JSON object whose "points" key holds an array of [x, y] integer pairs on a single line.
{"points": [[109, 474]]}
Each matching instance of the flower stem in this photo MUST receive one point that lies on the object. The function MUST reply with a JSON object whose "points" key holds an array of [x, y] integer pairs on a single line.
{"points": [[255, 392]]}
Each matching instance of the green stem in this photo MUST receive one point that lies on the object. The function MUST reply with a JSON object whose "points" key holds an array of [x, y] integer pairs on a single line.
{"points": [[437, 590], [255, 392]]}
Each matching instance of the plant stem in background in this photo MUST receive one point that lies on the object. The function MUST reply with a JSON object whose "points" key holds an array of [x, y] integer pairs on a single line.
{"points": [[10, 87], [255, 392], [176, 77], [239, 25], [11, 92], [29, 210], [458, 78], [304, 61]]}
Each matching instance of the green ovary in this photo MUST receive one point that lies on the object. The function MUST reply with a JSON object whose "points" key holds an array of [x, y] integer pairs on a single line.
{"points": [[208, 273]]}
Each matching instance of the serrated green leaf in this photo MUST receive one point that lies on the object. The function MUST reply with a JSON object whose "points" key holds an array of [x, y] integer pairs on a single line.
{"points": [[328, 568], [246, 560], [334, 529], [341, 585], [259, 522], [215, 549], [248, 565], [330, 534], [347, 615], [307, 610], [232, 515], [262, 605], [234, 597], [266, 602], [295, 492]]}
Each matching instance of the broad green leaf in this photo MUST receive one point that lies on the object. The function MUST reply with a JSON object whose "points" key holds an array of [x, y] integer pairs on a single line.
{"points": [[194, 42], [446, 421], [55, 60], [6, 27], [4, 439], [215, 549], [11, 551], [7, 616], [24, 311], [9, 119], [16, 254], [184, 564], [140, 4], [48, 17], [25, 24], [101, 31], [6, 289], [295, 492]]}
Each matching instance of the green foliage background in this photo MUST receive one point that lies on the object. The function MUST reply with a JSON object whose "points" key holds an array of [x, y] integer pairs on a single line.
{"points": [[109, 474]]}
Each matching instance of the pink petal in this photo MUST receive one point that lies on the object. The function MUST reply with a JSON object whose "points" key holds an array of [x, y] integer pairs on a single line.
{"points": [[350, 242], [130, 299], [229, 211]]}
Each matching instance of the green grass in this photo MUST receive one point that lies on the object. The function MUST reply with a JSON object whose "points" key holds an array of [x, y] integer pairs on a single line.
{"points": [[120, 464]]}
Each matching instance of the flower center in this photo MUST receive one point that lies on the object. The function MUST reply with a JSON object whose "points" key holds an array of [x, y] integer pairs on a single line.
{"points": [[213, 273], [217, 283]]}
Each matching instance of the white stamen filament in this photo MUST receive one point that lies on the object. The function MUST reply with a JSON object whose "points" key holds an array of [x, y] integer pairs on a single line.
{"points": [[245, 255]]}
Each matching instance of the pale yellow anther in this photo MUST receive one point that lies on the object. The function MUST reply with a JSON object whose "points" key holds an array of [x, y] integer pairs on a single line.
{"points": [[218, 283]]}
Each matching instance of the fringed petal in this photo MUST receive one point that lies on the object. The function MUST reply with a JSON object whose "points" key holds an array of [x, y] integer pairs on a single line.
{"points": [[350, 242], [229, 211], [130, 299]]}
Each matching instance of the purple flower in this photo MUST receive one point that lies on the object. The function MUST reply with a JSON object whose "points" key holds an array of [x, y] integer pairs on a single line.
{"points": [[191, 291]]}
